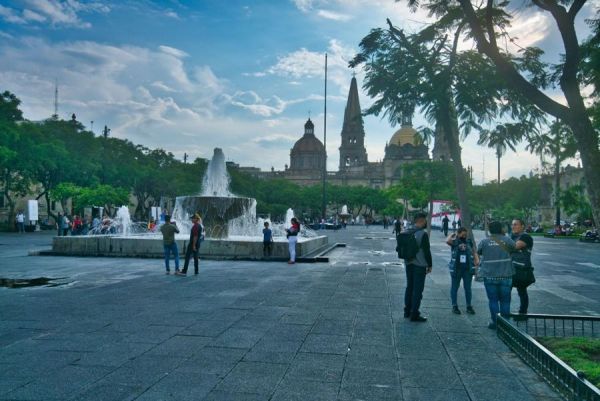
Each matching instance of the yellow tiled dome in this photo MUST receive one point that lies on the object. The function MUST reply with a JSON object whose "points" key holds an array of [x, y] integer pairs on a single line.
{"points": [[405, 135]]}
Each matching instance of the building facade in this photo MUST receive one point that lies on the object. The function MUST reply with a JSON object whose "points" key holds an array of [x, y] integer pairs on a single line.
{"points": [[308, 155]]}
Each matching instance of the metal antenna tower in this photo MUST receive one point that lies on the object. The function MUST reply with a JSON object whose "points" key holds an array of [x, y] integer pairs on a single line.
{"points": [[55, 115]]}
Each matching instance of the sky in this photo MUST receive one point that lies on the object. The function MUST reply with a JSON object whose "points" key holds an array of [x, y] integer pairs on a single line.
{"points": [[189, 76]]}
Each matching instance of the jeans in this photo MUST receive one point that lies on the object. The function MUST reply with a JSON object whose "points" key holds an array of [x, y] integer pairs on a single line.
{"points": [[21, 227], [189, 252], [498, 293], [171, 248], [415, 284], [464, 274], [267, 248], [524, 298], [292, 247]]}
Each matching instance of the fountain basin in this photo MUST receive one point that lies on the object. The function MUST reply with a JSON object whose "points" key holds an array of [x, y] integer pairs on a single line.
{"points": [[152, 247], [216, 211]]}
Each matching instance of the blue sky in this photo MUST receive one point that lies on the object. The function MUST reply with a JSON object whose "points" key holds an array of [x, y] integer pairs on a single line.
{"points": [[188, 76]]}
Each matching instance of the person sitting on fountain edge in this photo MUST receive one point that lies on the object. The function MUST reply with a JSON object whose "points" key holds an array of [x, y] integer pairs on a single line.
{"points": [[168, 231], [292, 236], [194, 245]]}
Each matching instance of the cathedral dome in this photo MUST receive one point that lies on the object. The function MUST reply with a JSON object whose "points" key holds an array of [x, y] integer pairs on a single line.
{"points": [[308, 152], [308, 143], [405, 135]]}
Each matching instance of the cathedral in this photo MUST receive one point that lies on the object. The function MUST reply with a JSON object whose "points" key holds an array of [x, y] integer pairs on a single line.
{"points": [[308, 155]]}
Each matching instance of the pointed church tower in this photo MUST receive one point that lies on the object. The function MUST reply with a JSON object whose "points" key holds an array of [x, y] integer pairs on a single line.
{"points": [[352, 150]]}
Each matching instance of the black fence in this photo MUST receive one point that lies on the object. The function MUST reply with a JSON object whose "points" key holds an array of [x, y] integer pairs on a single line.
{"points": [[517, 334]]}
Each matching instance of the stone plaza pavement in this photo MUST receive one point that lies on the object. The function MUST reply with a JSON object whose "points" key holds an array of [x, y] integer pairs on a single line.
{"points": [[120, 329]]}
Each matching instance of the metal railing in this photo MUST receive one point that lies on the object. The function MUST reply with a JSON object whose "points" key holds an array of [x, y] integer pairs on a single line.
{"points": [[558, 325], [517, 334]]}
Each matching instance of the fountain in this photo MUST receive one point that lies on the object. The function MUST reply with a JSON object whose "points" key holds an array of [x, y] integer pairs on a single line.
{"points": [[216, 204], [232, 229]]}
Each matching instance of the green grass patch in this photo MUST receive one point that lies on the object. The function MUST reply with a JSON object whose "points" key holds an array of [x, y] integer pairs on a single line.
{"points": [[580, 353]]}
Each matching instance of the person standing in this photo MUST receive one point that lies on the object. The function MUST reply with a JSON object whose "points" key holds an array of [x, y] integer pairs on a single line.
{"points": [[20, 218], [445, 222], [397, 226], [497, 270], [66, 225], [521, 260], [168, 231], [463, 261], [59, 222], [292, 236], [196, 238], [267, 240], [416, 271]]}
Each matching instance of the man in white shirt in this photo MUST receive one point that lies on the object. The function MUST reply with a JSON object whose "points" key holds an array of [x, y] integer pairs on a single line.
{"points": [[21, 221]]}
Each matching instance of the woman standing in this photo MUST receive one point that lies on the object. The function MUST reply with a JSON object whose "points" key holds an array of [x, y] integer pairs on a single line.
{"points": [[292, 236], [497, 270], [463, 261]]}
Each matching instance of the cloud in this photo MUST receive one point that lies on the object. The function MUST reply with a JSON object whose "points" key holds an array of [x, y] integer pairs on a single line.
{"points": [[251, 101], [303, 5], [55, 12], [275, 141], [335, 16], [173, 51], [11, 16]]}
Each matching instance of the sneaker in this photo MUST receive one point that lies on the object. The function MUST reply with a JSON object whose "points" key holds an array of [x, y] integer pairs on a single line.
{"points": [[492, 326], [470, 310], [291, 263], [418, 319], [178, 273], [168, 272], [455, 310]]}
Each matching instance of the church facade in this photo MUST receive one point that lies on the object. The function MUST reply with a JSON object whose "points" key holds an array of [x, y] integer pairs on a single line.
{"points": [[308, 155]]}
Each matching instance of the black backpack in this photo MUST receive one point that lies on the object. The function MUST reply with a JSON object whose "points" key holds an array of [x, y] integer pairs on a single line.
{"points": [[407, 246]]}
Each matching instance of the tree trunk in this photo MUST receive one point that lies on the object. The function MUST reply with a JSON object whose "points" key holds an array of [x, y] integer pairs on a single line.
{"points": [[590, 161], [499, 157], [450, 126], [557, 189]]}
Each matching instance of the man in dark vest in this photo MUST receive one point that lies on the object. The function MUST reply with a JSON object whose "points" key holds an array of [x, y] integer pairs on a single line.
{"points": [[416, 270]]}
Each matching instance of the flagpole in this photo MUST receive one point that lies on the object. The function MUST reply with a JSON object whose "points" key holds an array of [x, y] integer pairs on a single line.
{"points": [[324, 205]]}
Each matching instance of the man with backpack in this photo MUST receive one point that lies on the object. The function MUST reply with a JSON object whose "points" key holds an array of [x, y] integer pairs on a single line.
{"points": [[413, 247]]}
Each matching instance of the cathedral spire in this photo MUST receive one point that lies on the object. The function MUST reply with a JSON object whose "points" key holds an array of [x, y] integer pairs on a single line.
{"points": [[353, 114], [352, 150]]}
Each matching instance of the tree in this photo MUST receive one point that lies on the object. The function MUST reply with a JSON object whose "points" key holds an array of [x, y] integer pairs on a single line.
{"points": [[15, 168], [9, 107], [530, 83], [431, 180], [558, 144], [504, 137], [455, 89]]}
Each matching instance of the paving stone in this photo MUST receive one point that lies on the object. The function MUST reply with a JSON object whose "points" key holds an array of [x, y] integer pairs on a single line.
{"points": [[300, 390], [316, 367], [368, 392], [371, 377], [253, 377], [326, 344], [214, 360], [183, 346], [237, 338], [59, 384], [181, 386], [434, 394]]}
